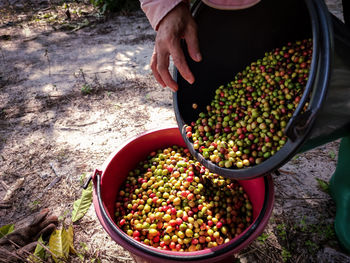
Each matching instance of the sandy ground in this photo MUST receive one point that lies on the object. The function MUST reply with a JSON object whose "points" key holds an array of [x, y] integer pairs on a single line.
{"points": [[69, 98]]}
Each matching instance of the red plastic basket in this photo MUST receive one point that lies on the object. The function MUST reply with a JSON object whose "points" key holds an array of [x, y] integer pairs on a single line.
{"points": [[114, 171]]}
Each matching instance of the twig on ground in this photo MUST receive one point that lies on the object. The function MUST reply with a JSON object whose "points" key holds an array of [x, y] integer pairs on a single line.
{"points": [[4, 206], [4, 185], [300, 258], [2, 55], [85, 124], [5, 256], [30, 38], [262, 252], [285, 171], [48, 60], [12, 189], [55, 180], [53, 169], [248, 252], [46, 248], [25, 251]]}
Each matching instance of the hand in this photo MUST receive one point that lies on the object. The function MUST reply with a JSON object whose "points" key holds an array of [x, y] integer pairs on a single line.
{"points": [[176, 25], [14, 247]]}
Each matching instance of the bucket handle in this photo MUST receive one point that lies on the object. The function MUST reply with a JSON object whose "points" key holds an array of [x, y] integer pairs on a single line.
{"points": [[86, 184]]}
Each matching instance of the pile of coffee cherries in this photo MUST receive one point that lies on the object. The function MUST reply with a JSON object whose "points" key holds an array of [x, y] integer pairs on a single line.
{"points": [[172, 202], [244, 124]]}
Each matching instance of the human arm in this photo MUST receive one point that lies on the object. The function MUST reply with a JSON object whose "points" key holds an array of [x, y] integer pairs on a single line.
{"points": [[173, 21], [172, 24], [176, 25]]}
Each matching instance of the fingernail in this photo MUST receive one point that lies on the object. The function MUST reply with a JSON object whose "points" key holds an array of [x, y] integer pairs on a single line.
{"points": [[198, 57]]}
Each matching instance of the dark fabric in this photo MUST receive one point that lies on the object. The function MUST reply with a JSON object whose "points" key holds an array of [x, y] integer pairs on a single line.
{"points": [[346, 12]]}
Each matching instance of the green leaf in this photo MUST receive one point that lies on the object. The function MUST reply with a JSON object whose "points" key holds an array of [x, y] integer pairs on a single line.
{"points": [[70, 236], [103, 9], [59, 245], [6, 229], [84, 246], [332, 154], [81, 256], [39, 252], [263, 237], [323, 185], [82, 205], [82, 179]]}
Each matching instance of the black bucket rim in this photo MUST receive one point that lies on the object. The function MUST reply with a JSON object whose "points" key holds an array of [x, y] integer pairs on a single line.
{"points": [[320, 22]]}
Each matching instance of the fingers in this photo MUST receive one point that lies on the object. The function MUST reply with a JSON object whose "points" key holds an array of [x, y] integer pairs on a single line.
{"points": [[160, 69], [160, 65], [192, 43], [45, 232], [43, 222], [163, 70], [176, 25], [155, 70], [52, 219], [40, 217], [180, 62]]}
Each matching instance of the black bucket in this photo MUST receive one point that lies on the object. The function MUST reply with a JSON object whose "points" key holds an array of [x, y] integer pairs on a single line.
{"points": [[231, 40]]}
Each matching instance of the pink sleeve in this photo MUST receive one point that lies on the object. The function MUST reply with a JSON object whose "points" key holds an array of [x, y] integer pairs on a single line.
{"points": [[155, 10], [231, 4]]}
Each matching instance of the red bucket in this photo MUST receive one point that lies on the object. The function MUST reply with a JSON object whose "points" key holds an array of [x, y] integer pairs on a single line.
{"points": [[116, 168]]}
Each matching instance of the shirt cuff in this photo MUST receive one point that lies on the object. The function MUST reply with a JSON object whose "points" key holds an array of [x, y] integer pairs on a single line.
{"points": [[230, 4], [156, 10]]}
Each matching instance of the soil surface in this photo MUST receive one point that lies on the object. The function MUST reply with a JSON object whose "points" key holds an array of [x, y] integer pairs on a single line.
{"points": [[73, 87]]}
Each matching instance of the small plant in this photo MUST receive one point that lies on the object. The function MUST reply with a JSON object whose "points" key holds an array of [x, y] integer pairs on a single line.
{"points": [[281, 228], [263, 237], [2, 112], [332, 154], [64, 215], [325, 231], [303, 226], [39, 252], [35, 204], [286, 255], [105, 6], [329, 232], [312, 247], [83, 253], [86, 89], [323, 185], [296, 157], [82, 179]]}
